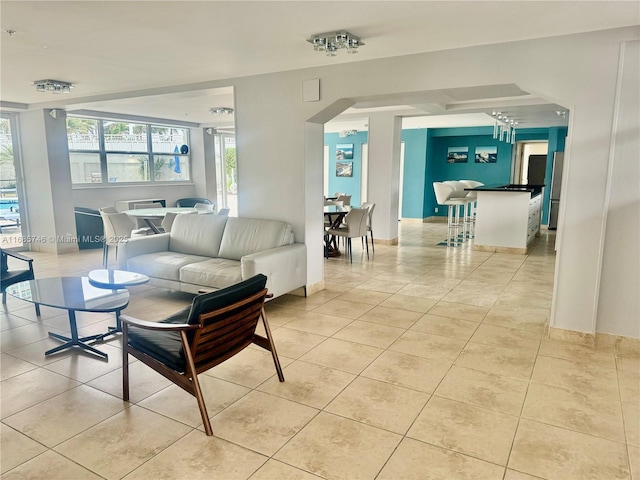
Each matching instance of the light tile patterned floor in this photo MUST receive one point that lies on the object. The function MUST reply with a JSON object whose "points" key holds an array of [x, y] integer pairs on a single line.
{"points": [[423, 362]]}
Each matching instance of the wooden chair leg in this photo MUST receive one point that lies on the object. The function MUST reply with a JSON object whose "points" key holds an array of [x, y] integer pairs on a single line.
{"points": [[196, 384], [274, 354]]}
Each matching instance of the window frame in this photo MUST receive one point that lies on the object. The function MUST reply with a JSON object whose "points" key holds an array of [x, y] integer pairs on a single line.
{"points": [[149, 153]]}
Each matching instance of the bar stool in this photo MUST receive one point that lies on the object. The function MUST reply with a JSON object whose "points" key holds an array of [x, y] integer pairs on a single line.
{"points": [[473, 197], [443, 193], [460, 193]]}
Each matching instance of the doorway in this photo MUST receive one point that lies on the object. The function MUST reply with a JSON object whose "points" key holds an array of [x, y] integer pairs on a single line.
{"points": [[226, 173], [12, 206], [530, 162]]}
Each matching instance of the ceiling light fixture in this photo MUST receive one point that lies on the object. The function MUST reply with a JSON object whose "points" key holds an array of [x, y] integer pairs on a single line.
{"points": [[331, 42], [504, 128], [347, 133], [221, 111], [54, 86]]}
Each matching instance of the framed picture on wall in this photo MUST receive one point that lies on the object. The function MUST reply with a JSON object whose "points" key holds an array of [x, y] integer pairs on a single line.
{"points": [[457, 154], [344, 151], [487, 154], [344, 169]]}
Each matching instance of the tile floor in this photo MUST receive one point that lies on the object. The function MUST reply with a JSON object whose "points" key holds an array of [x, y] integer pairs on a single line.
{"points": [[423, 362]]}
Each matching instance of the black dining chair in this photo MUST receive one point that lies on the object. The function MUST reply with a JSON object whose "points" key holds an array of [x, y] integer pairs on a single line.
{"points": [[191, 201]]}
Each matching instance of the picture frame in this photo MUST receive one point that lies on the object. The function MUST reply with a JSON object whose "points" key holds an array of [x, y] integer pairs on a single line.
{"points": [[344, 169], [344, 151], [457, 154], [488, 154]]}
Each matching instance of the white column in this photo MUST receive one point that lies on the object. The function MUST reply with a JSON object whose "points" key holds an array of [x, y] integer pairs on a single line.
{"points": [[47, 180], [385, 131]]}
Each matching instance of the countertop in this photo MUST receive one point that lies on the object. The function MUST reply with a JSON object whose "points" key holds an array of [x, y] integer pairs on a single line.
{"points": [[535, 189]]}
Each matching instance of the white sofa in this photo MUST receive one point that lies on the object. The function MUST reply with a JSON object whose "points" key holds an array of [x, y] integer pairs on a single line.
{"points": [[213, 251]]}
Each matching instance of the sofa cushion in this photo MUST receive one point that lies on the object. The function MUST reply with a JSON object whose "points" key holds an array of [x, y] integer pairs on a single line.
{"points": [[197, 234], [244, 236], [165, 265], [216, 273]]}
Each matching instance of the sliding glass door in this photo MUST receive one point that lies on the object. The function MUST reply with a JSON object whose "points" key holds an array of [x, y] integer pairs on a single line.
{"points": [[12, 206]]}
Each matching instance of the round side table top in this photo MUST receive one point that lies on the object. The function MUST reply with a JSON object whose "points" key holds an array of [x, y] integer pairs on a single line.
{"points": [[103, 278]]}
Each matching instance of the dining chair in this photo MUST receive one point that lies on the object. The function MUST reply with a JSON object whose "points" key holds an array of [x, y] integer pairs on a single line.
{"points": [[355, 226], [11, 276], [204, 208], [345, 199], [191, 201], [118, 227], [141, 222], [370, 208], [217, 326]]}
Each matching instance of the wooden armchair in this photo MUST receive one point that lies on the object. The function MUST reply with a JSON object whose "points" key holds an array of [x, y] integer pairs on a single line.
{"points": [[217, 326], [9, 277]]}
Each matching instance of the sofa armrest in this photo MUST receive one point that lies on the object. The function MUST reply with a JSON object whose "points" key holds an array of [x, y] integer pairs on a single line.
{"points": [[141, 246], [285, 267]]}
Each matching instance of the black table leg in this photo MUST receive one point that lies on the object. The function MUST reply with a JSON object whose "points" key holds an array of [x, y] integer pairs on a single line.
{"points": [[74, 341]]}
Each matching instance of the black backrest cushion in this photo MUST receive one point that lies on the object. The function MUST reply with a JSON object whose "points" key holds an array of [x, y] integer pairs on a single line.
{"points": [[207, 302]]}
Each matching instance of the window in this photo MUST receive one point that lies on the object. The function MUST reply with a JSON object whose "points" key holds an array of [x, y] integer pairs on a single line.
{"points": [[107, 152]]}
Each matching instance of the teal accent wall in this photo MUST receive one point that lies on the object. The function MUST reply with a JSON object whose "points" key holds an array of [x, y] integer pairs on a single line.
{"points": [[415, 173], [348, 185]]}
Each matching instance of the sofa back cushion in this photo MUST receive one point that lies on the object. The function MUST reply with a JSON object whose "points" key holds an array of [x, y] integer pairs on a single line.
{"points": [[197, 234], [244, 236]]}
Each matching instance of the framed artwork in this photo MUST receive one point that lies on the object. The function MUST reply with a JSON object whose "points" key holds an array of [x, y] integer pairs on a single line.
{"points": [[487, 154], [457, 154], [344, 151], [344, 169]]}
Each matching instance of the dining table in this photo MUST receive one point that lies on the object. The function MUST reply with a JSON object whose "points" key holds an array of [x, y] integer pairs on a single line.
{"points": [[155, 213], [334, 215]]}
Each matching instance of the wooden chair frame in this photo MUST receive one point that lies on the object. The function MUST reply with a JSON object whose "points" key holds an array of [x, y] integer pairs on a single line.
{"points": [[219, 335]]}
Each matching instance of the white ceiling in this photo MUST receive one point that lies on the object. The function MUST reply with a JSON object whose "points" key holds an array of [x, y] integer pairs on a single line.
{"points": [[131, 57]]}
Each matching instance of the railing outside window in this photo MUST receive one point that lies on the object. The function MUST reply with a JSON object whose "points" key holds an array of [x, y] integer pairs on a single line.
{"points": [[104, 152]]}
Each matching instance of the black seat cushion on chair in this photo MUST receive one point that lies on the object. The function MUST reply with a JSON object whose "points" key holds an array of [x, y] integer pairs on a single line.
{"points": [[166, 347]]}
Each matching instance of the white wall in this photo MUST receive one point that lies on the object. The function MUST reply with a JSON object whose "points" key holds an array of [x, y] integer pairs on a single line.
{"points": [[619, 305], [271, 154]]}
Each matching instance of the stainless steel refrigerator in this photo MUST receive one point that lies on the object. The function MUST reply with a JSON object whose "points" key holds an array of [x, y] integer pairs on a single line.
{"points": [[556, 184]]}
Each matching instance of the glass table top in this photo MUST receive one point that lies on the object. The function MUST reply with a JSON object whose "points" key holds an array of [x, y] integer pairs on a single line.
{"points": [[71, 293]]}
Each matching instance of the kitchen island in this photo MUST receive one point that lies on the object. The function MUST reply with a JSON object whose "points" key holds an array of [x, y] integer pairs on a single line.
{"points": [[507, 218]]}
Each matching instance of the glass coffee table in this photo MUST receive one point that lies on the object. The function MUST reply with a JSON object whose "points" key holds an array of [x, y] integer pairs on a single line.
{"points": [[74, 294]]}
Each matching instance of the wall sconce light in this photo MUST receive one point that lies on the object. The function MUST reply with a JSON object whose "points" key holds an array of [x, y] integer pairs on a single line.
{"points": [[331, 42], [211, 131], [53, 86], [53, 113], [221, 111]]}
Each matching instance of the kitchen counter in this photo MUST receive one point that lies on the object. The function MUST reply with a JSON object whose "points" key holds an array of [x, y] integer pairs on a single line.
{"points": [[507, 218]]}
